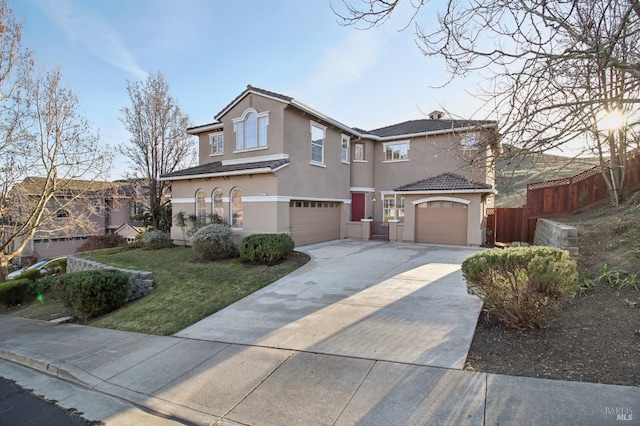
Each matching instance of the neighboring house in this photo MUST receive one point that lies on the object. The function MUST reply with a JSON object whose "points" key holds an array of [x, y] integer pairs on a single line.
{"points": [[130, 230], [90, 208], [271, 164]]}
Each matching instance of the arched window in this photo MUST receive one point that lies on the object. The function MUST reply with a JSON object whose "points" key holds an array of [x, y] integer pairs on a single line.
{"points": [[236, 208], [216, 207], [201, 206], [251, 129]]}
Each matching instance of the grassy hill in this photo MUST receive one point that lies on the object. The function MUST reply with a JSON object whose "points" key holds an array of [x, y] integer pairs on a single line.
{"points": [[516, 168]]}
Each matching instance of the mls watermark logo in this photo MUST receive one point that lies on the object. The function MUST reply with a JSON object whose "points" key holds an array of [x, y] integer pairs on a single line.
{"points": [[621, 413]]}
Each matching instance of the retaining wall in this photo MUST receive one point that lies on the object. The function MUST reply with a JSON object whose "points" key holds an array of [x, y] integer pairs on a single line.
{"points": [[554, 234], [140, 282]]}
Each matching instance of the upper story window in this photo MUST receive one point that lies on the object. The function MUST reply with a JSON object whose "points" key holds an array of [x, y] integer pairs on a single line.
{"points": [[469, 141], [318, 134], [358, 152], [251, 129], [216, 140], [345, 148], [396, 151]]}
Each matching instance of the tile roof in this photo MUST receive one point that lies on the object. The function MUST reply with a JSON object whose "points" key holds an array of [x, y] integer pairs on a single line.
{"points": [[444, 182], [218, 167], [33, 185], [426, 125], [250, 88]]}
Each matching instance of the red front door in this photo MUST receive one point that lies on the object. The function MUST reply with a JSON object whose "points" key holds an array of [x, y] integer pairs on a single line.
{"points": [[357, 207]]}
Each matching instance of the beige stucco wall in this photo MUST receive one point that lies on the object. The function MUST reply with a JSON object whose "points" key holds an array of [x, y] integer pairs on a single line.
{"points": [[274, 130]]}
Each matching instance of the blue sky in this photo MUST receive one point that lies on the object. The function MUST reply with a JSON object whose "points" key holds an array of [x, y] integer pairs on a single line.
{"points": [[210, 50]]}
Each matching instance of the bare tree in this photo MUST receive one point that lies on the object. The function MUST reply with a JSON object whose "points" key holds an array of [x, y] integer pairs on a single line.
{"points": [[555, 67], [50, 147], [159, 142]]}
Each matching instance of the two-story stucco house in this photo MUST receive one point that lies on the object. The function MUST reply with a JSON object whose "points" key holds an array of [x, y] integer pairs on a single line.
{"points": [[271, 164]]}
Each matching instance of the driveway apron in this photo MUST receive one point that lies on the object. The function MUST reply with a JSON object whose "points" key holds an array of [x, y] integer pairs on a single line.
{"points": [[404, 303]]}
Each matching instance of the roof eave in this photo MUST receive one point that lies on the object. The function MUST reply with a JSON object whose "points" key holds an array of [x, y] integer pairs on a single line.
{"points": [[324, 118], [242, 96], [448, 191], [432, 133], [262, 170], [206, 128]]}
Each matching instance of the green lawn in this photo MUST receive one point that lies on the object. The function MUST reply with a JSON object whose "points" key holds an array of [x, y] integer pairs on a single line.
{"points": [[185, 290]]}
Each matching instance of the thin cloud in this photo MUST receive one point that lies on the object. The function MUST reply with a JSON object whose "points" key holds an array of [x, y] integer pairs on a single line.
{"points": [[93, 34]]}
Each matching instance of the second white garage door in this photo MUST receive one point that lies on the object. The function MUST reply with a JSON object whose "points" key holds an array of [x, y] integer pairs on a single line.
{"points": [[314, 221], [441, 222]]}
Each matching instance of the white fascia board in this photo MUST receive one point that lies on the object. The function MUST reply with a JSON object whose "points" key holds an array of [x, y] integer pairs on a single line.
{"points": [[361, 189], [273, 157], [224, 111], [182, 200], [265, 199], [259, 171], [202, 129], [433, 133], [446, 191], [338, 200]]}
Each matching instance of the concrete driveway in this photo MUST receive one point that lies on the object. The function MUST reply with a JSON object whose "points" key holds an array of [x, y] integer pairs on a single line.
{"points": [[403, 303]]}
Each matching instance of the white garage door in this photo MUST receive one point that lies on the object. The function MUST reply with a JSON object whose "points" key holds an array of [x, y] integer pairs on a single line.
{"points": [[314, 221], [441, 222]]}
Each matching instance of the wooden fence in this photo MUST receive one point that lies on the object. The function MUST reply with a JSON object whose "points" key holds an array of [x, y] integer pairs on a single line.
{"points": [[556, 198]]}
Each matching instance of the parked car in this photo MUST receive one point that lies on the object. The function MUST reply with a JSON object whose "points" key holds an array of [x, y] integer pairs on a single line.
{"points": [[42, 266]]}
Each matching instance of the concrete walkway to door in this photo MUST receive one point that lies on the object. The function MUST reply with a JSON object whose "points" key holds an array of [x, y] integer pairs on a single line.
{"points": [[404, 303]]}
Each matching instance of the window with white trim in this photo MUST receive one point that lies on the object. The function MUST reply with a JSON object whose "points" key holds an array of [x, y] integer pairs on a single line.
{"points": [[396, 151], [318, 134], [251, 129], [216, 140], [217, 208], [201, 206], [345, 148], [393, 207], [236, 208], [469, 141], [358, 152]]}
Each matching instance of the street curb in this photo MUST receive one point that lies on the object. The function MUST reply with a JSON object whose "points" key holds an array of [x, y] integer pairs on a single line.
{"points": [[148, 403]]}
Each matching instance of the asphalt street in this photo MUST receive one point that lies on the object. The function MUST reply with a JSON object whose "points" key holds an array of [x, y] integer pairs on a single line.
{"points": [[19, 407]]}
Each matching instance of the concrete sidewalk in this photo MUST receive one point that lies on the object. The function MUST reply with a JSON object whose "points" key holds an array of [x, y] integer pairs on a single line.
{"points": [[323, 360]]}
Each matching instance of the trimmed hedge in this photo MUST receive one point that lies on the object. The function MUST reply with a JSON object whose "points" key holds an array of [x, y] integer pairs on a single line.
{"points": [[266, 248], [156, 240], [98, 242], [520, 284], [213, 242], [13, 292], [93, 293]]}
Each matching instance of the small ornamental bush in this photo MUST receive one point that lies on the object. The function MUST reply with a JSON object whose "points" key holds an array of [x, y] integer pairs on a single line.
{"points": [[266, 248], [43, 285], [213, 242], [98, 242], [13, 292], [93, 293], [520, 284], [155, 240], [29, 274]]}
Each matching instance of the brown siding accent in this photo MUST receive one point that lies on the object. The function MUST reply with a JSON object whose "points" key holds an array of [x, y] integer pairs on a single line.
{"points": [[314, 221], [441, 225]]}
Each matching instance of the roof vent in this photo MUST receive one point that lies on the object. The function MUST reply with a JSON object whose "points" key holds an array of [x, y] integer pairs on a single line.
{"points": [[436, 115]]}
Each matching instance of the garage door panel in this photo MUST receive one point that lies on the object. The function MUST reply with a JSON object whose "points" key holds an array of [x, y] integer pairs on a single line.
{"points": [[441, 225], [314, 224]]}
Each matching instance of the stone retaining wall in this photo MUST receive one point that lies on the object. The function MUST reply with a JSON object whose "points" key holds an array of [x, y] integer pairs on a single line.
{"points": [[140, 282], [554, 234]]}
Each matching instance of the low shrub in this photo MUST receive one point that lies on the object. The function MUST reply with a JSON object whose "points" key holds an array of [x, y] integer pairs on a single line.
{"points": [[14, 292], [93, 293], [520, 284], [44, 285], [213, 242], [156, 240], [98, 242], [266, 248]]}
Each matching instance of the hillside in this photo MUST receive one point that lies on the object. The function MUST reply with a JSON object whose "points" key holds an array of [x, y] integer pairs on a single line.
{"points": [[517, 168]]}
